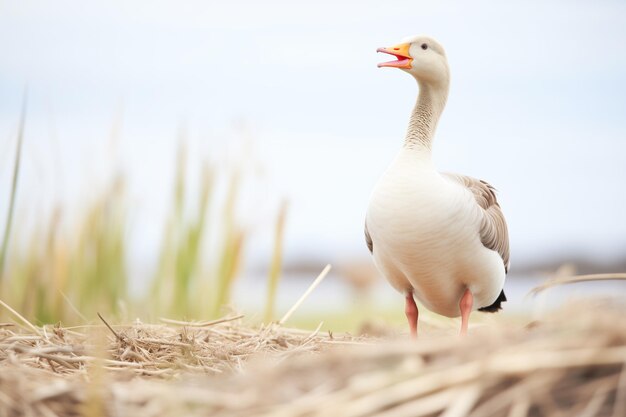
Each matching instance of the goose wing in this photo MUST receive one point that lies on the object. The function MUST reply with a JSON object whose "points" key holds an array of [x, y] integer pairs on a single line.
{"points": [[368, 240], [493, 231]]}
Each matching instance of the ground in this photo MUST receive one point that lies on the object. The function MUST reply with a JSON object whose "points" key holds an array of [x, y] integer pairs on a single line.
{"points": [[563, 364]]}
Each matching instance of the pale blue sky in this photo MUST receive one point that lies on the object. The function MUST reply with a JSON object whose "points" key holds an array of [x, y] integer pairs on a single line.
{"points": [[537, 107]]}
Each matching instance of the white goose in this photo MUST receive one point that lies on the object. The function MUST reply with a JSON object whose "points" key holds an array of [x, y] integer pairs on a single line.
{"points": [[438, 237]]}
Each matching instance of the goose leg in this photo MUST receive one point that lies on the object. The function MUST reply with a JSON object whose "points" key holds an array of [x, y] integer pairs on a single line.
{"points": [[411, 312], [466, 304]]}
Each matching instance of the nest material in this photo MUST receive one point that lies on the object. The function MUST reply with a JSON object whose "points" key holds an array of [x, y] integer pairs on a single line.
{"points": [[573, 364]]}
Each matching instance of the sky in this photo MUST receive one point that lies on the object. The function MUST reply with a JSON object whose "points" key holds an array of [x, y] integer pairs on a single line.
{"points": [[289, 93]]}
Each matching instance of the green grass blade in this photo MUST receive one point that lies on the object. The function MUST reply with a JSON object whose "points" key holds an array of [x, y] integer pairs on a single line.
{"points": [[16, 171], [275, 268], [232, 240]]}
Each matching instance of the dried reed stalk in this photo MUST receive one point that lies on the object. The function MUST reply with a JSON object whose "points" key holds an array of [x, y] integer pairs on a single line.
{"points": [[565, 365], [562, 280]]}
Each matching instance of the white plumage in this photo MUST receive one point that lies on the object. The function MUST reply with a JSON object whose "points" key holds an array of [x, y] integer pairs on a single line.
{"points": [[438, 237]]}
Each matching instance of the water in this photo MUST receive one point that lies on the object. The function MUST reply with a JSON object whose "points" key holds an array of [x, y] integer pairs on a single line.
{"points": [[334, 293]]}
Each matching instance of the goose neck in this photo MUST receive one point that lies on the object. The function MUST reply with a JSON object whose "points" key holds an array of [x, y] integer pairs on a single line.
{"points": [[423, 121]]}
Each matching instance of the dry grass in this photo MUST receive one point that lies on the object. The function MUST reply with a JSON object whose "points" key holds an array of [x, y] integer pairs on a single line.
{"points": [[557, 280], [570, 364]]}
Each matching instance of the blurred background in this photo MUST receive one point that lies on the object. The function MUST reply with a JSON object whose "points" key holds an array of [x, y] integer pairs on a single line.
{"points": [[197, 154]]}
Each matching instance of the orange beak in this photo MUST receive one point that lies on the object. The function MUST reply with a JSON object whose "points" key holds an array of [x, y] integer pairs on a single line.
{"points": [[401, 52]]}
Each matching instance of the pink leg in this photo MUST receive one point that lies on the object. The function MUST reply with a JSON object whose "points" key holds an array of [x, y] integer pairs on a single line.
{"points": [[466, 304], [411, 312]]}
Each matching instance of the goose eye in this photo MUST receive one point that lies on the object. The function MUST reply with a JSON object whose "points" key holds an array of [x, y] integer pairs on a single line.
{"points": [[424, 46]]}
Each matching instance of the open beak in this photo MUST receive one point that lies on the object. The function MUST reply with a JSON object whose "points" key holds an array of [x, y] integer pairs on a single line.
{"points": [[401, 52]]}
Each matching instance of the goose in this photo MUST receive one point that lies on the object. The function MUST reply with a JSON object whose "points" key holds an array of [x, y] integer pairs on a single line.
{"points": [[440, 238]]}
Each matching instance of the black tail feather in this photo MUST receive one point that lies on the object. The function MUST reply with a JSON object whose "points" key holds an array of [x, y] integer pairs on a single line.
{"points": [[497, 305]]}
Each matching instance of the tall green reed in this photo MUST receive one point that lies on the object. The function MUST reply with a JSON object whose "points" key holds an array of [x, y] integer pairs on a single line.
{"points": [[232, 239], [276, 265], [98, 278], [183, 238], [68, 273], [71, 267], [195, 278], [16, 173]]}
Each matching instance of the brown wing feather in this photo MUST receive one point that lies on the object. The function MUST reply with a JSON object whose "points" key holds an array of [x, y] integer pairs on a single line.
{"points": [[493, 231], [368, 240]]}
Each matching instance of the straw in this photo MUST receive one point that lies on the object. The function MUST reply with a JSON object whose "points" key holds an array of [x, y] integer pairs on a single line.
{"points": [[576, 278], [559, 367], [304, 296]]}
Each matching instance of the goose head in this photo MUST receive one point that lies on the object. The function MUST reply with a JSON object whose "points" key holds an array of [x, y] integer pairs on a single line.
{"points": [[422, 57]]}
